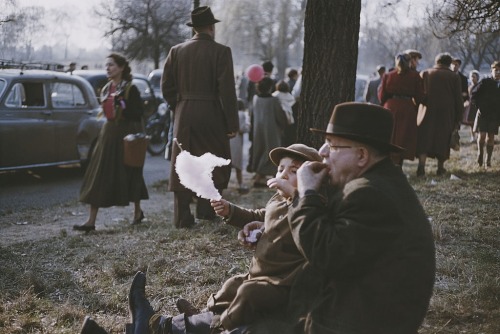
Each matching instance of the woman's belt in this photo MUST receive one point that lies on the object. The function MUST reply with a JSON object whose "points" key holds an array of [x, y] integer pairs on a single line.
{"points": [[402, 97]]}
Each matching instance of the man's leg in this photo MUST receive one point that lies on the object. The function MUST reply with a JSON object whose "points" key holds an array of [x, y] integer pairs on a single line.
{"points": [[490, 142], [203, 208], [139, 306], [422, 158], [182, 214], [480, 148]]}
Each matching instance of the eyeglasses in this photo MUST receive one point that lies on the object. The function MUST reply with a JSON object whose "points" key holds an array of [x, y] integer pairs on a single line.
{"points": [[335, 148]]}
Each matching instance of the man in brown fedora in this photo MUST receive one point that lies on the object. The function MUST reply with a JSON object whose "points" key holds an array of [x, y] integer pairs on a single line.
{"points": [[198, 84], [369, 249]]}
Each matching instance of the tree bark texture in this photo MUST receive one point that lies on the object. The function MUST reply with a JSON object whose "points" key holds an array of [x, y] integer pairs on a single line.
{"points": [[329, 67]]}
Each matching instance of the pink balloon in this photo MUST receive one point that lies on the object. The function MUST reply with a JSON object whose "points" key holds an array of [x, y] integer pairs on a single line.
{"points": [[255, 73]]}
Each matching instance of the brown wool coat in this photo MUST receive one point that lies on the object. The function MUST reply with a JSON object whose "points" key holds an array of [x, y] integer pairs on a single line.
{"points": [[198, 83], [445, 107]]}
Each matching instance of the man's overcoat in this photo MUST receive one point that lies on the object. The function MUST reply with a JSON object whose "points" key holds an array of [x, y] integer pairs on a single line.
{"points": [[198, 83], [370, 257], [445, 107]]}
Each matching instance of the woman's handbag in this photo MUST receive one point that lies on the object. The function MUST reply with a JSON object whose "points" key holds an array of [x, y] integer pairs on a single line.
{"points": [[134, 149]]}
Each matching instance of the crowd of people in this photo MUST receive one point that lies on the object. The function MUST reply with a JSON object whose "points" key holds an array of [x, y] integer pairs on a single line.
{"points": [[344, 245], [430, 106]]}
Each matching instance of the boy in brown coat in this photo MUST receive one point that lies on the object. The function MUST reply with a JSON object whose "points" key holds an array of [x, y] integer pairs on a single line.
{"points": [[246, 298]]}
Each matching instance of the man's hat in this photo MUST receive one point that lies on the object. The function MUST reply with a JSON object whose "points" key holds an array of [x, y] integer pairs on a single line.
{"points": [[362, 122], [299, 151], [202, 16]]}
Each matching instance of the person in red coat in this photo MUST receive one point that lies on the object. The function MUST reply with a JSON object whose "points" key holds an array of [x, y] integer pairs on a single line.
{"points": [[198, 83], [401, 91]]}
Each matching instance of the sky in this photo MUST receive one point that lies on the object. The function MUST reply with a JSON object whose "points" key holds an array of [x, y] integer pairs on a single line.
{"points": [[81, 31]]}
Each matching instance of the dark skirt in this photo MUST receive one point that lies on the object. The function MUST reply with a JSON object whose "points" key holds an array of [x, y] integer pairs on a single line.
{"points": [[486, 123], [107, 181]]}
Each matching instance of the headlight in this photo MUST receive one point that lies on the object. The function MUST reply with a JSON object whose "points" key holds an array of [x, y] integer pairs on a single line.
{"points": [[162, 109]]}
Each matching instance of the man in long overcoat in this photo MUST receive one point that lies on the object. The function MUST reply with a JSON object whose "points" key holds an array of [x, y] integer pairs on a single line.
{"points": [[198, 83], [444, 111]]}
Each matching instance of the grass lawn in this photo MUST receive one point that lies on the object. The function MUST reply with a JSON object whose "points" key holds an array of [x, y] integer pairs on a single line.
{"points": [[48, 283]]}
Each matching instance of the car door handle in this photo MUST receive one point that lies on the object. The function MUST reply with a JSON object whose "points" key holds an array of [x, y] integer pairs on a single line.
{"points": [[46, 113]]}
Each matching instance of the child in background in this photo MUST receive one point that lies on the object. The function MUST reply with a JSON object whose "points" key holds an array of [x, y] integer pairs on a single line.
{"points": [[237, 146], [286, 100]]}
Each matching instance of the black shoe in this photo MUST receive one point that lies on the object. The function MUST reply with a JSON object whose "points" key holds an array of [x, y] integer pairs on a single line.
{"points": [[139, 220], [183, 306], [84, 228], [139, 306], [89, 326], [440, 171]]}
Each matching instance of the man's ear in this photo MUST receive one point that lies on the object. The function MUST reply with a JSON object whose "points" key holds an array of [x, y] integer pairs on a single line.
{"points": [[364, 156]]}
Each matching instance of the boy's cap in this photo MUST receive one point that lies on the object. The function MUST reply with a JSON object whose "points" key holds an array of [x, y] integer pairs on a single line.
{"points": [[299, 151]]}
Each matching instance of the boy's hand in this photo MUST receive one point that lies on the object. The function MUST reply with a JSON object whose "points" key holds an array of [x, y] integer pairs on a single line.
{"points": [[221, 207], [246, 232], [284, 186]]}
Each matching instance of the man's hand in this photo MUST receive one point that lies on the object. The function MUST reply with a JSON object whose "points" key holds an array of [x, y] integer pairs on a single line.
{"points": [[232, 134], [310, 176]]}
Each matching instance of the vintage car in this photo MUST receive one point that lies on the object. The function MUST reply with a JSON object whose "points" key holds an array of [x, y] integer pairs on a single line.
{"points": [[98, 78], [47, 118]]}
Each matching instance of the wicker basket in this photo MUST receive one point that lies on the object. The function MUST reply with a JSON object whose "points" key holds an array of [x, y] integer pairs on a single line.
{"points": [[134, 149]]}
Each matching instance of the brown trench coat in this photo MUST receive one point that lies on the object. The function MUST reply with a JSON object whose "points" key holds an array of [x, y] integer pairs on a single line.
{"points": [[198, 83], [445, 107]]}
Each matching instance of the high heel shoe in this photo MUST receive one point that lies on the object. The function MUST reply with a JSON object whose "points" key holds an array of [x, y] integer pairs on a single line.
{"points": [[84, 228], [139, 220]]}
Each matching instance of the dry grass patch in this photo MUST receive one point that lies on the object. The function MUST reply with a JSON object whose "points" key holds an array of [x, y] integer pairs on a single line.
{"points": [[49, 282]]}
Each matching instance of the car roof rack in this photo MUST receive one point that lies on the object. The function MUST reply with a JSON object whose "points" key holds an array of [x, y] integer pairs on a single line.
{"points": [[12, 64]]}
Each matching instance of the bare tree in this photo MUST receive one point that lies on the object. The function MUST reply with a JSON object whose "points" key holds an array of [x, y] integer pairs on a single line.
{"points": [[18, 29], [262, 29], [145, 29], [8, 14], [330, 59], [473, 16]]}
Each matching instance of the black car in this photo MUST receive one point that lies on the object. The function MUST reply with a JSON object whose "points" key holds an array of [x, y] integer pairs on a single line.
{"points": [[47, 118], [98, 78]]}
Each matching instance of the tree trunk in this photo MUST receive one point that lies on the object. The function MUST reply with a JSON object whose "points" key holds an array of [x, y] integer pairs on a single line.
{"points": [[329, 66]]}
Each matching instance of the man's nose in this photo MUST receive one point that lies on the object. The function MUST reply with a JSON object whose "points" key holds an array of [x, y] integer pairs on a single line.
{"points": [[324, 150]]}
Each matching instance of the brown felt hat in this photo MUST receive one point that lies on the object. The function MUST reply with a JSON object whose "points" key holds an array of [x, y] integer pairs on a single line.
{"points": [[366, 123], [202, 16], [297, 151]]}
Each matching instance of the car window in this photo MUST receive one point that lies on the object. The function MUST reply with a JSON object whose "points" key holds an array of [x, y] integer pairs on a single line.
{"points": [[143, 88], [65, 94], [2, 86], [26, 94]]}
